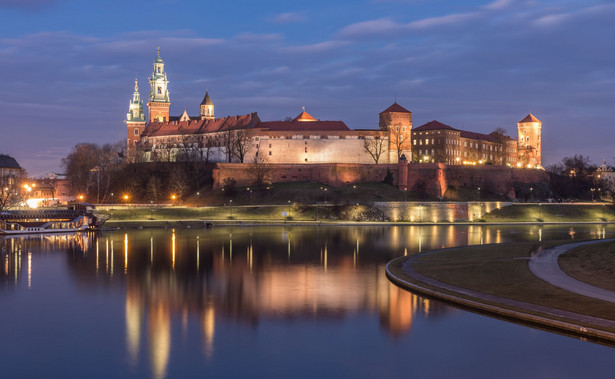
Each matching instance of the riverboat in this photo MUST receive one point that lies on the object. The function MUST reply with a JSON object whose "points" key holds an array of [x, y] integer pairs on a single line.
{"points": [[74, 218]]}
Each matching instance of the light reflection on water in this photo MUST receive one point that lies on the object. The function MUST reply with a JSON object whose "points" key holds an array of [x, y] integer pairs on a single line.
{"points": [[192, 290]]}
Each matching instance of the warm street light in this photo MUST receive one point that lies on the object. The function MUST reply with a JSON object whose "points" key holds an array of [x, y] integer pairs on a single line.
{"points": [[80, 197]]}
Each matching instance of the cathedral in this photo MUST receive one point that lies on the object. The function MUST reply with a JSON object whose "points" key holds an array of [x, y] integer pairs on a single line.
{"points": [[306, 139]]}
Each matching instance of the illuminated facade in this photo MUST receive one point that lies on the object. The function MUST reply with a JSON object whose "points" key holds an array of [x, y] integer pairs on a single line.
{"points": [[306, 139], [530, 144]]}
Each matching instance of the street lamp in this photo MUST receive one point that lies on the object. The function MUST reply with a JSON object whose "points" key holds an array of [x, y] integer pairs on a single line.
{"points": [[231, 208], [593, 190], [289, 215], [126, 198], [478, 190], [531, 193]]}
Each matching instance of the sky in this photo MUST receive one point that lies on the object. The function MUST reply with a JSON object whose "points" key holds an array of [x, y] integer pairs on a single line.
{"points": [[68, 66]]}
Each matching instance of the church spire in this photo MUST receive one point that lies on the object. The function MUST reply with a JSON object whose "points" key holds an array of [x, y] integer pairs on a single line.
{"points": [[159, 101], [207, 108], [135, 108]]}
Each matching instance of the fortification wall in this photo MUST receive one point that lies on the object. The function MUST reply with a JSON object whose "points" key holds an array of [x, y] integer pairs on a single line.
{"points": [[333, 174], [432, 179]]}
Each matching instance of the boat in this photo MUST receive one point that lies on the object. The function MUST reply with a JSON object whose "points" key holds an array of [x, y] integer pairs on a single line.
{"points": [[74, 218]]}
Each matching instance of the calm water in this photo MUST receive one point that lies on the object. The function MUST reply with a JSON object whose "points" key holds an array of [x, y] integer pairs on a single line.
{"points": [[297, 302]]}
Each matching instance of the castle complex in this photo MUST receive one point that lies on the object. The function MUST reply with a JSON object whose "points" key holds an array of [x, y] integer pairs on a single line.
{"points": [[307, 140]]}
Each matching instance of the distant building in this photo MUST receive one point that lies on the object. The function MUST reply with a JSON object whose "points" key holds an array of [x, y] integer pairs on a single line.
{"points": [[305, 139], [606, 176], [10, 171]]}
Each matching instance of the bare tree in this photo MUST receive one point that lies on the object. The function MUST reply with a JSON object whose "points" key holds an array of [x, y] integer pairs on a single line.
{"points": [[78, 164], [241, 144], [397, 139], [10, 191], [154, 188], [374, 147], [260, 172], [178, 182]]}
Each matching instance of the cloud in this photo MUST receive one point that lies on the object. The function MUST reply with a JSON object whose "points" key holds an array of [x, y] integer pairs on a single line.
{"points": [[288, 18], [319, 47]]}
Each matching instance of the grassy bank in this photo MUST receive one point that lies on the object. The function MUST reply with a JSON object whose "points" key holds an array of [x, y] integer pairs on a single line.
{"points": [[547, 212], [593, 264], [502, 271], [162, 215]]}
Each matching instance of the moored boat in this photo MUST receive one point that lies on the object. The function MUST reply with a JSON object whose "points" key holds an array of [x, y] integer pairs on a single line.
{"points": [[55, 220]]}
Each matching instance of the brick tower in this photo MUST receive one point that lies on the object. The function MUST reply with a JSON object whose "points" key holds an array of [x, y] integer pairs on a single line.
{"points": [[159, 102], [398, 121], [529, 143]]}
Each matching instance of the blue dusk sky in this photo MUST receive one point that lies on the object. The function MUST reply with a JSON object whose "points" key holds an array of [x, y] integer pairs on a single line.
{"points": [[68, 66]]}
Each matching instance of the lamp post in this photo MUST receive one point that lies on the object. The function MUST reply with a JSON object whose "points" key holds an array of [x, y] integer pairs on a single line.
{"points": [[531, 193], [593, 190], [478, 190], [151, 210], [231, 208], [289, 215]]}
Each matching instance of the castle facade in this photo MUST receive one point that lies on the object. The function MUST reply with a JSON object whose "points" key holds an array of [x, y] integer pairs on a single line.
{"points": [[307, 140]]}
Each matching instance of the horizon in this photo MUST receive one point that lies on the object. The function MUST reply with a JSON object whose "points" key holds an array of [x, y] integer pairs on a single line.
{"points": [[476, 66]]}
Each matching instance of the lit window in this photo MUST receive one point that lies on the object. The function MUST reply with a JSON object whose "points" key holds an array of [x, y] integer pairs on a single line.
{"points": [[414, 142]]}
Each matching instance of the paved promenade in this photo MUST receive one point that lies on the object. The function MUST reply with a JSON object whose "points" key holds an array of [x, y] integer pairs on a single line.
{"points": [[545, 266]]}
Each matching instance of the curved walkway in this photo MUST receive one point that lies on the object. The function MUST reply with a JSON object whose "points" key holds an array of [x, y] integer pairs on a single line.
{"points": [[545, 266]]}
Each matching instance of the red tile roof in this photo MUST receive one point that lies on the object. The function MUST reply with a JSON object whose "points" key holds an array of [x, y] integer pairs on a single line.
{"points": [[302, 126], [395, 108], [434, 125], [477, 136], [198, 126], [529, 118]]}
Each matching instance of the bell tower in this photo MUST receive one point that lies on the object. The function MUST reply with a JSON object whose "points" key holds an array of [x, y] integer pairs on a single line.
{"points": [[159, 102], [135, 121], [529, 149], [207, 108]]}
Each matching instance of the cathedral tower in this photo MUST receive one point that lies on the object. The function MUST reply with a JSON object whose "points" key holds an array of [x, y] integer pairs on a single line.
{"points": [[207, 108], [159, 102], [135, 121], [529, 149], [398, 121]]}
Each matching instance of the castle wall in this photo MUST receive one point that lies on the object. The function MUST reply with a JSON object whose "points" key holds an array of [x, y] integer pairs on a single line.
{"points": [[333, 174], [432, 179]]}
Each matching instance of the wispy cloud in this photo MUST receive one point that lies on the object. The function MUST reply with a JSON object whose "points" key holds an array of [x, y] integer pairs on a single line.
{"points": [[288, 18]]}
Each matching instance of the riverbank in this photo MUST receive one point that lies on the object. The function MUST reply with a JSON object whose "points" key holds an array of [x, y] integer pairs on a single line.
{"points": [[401, 213], [497, 281]]}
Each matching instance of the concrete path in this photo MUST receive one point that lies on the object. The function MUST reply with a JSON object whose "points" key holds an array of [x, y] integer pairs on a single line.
{"points": [[545, 266]]}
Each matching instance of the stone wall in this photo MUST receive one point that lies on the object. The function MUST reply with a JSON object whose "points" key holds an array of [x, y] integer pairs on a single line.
{"points": [[437, 211]]}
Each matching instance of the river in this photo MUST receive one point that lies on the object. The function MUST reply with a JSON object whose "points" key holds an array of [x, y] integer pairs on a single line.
{"points": [[266, 301]]}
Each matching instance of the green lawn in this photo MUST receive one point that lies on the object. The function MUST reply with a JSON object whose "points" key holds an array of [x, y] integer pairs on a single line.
{"points": [[502, 270], [552, 213]]}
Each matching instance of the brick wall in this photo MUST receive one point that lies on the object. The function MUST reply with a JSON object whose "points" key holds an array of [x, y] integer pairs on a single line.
{"points": [[432, 178]]}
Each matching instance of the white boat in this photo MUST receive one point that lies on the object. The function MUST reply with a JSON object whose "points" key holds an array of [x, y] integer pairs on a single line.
{"points": [[72, 219]]}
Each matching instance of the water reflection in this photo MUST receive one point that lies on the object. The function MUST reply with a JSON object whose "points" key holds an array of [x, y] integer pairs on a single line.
{"points": [[243, 276]]}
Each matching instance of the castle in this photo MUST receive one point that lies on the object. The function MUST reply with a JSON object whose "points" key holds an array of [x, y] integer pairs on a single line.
{"points": [[307, 140]]}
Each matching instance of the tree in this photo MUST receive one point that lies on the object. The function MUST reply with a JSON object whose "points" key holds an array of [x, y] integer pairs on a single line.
{"points": [[178, 182], [10, 191], [78, 164], [101, 175], [260, 172], [154, 188], [374, 147], [397, 139], [241, 144], [572, 177]]}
